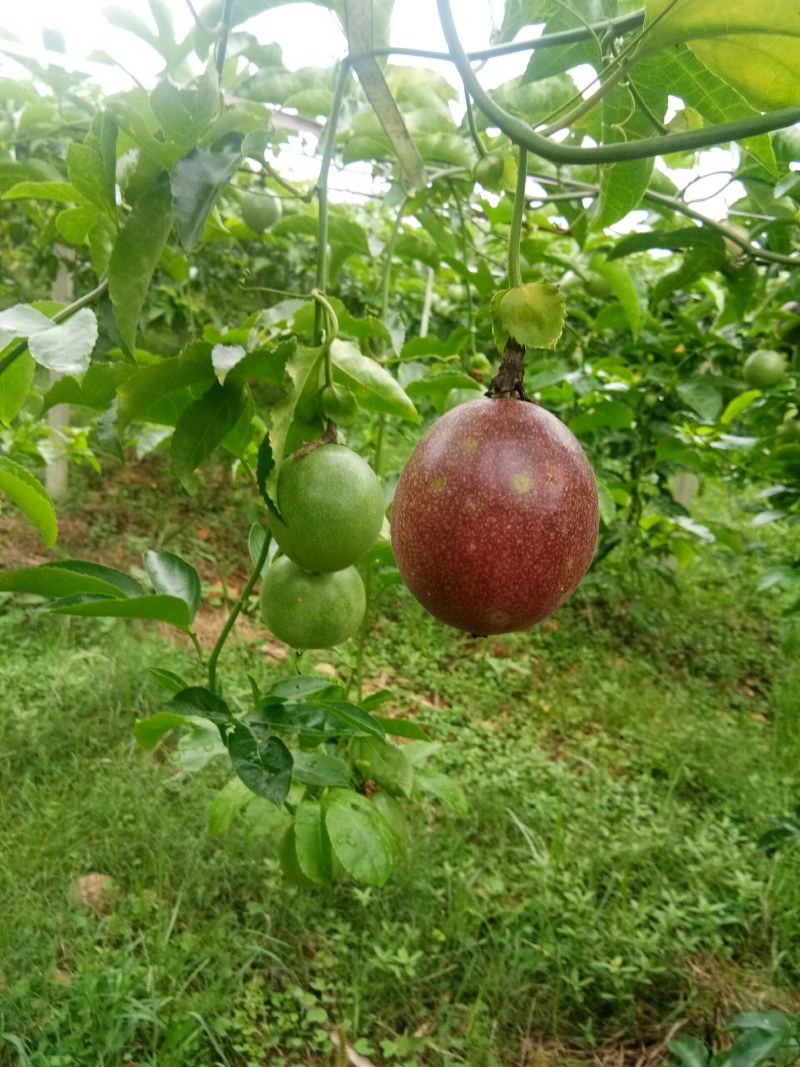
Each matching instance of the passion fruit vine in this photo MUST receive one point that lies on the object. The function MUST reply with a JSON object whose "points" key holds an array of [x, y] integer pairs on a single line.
{"points": [[495, 518]]}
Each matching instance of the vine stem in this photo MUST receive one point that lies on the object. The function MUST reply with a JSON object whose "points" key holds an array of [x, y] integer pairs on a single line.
{"points": [[222, 44], [618, 26], [514, 272], [235, 612], [585, 189], [329, 145], [386, 280], [331, 333], [59, 316], [522, 134], [473, 129]]}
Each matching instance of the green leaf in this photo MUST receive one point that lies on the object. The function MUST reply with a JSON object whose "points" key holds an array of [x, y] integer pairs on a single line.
{"points": [[70, 577], [546, 62], [304, 369], [173, 576], [148, 732], [759, 56], [621, 283], [255, 543], [392, 812], [316, 720], [87, 173], [702, 394], [312, 844], [533, 314], [738, 405], [264, 767], [58, 192], [373, 385], [31, 498], [608, 508], [15, 383], [197, 181], [622, 185], [359, 836], [685, 237], [385, 764], [169, 679], [605, 415], [401, 728], [135, 257], [97, 389], [762, 67], [690, 1051], [756, 1047], [202, 702], [159, 381], [226, 805], [320, 769], [156, 608], [443, 788], [713, 99], [203, 425]]}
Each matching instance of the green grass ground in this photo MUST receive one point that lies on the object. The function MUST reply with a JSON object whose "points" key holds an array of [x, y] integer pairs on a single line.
{"points": [[604, 889]]}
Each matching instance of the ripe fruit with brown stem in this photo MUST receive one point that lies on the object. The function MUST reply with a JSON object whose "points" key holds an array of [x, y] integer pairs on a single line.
{"points": [[495, 517]]}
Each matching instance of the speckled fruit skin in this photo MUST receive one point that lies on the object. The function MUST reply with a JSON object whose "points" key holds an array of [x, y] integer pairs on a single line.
{"points": [[332, 504], [495, 517]]}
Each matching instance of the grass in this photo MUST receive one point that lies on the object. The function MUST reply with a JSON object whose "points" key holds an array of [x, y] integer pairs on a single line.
{"points": [[605, 887]]}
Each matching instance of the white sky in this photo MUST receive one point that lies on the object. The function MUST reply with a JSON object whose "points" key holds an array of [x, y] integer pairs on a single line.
{"points": [[308, 33]]}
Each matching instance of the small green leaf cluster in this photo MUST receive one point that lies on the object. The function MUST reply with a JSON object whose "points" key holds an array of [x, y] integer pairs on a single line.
{"points": [[337, 790]]}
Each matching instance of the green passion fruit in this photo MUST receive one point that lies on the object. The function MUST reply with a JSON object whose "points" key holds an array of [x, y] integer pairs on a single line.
{"points": [[311, 610], [331, 505], [764, 368], [260, 211], [495, 516]]}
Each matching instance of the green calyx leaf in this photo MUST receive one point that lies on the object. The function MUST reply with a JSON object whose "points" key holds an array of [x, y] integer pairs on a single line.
{"points": [[532, 314]]}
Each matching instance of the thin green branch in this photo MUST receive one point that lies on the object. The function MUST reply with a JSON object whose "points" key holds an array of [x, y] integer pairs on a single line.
{"points": [[584, 189], [329, 145], [521, 133], [225, 32], [462, 233], [514, 271], [473, 129], [59, 316], [386, 279], [618, 26], [235, 612], [647, 111], [586, 104]]}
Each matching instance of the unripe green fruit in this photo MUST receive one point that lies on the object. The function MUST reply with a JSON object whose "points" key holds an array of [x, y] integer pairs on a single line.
{"points": [[789, 431], [331, 505], [260, 211], [339, 404], [764, 368], [312, 610], [489, 171]]}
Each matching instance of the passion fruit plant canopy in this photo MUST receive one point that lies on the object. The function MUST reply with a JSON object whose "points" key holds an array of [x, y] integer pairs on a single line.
{"points": [[552, 220]]}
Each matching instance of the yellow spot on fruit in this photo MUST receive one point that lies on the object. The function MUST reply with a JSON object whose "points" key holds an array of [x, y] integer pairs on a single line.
{"points": [[521, 483], [436, 485], [471, 504], [470, 446]]}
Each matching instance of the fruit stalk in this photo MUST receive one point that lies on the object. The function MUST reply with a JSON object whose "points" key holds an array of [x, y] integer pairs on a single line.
{"points": [[235, 611], [509, 378]]}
